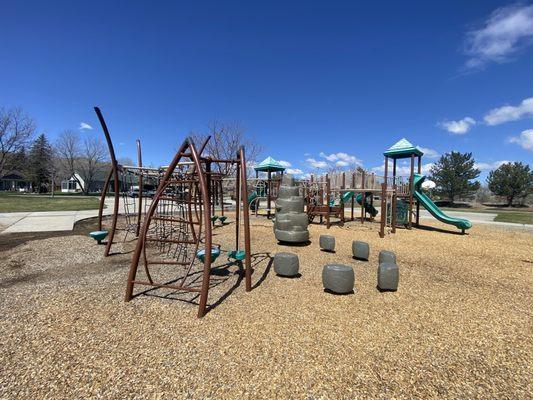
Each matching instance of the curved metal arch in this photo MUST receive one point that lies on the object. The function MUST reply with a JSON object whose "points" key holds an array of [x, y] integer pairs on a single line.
{"points": [[114, 173], [196, 178]]}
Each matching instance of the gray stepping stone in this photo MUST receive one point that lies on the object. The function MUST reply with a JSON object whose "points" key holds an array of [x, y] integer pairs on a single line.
{"points": [[386, 256], [360, 250], [327, 242], [338, 278], [286, 264], [388, 276]]}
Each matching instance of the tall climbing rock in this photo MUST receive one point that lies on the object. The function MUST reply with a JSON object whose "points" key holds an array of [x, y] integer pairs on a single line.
{"points": [[291, 221]]}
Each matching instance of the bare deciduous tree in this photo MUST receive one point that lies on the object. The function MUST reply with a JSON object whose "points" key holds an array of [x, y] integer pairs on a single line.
{"points": [[92, 161], [68, 152], [16, 130], [226, 138], [85, 158]]}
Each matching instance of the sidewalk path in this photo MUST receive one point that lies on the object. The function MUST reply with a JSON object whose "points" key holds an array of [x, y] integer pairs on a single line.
{"points": [[48, 221]]}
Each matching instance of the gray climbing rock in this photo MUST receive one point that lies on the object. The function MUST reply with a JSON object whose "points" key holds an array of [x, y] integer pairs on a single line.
{"points": [[360, 250], [286, 264], [388, 276], [338, 278], [327, 242]]}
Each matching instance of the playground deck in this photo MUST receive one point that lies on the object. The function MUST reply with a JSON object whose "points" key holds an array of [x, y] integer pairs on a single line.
{"points": [[457, 327]]}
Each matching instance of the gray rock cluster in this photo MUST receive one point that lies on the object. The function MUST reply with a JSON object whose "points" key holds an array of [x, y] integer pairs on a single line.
{"points": [[291, 221]]}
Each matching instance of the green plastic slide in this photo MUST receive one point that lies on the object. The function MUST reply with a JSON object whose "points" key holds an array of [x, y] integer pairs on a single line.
{"points": [[432, 207], [251, 197], [369, 208]]}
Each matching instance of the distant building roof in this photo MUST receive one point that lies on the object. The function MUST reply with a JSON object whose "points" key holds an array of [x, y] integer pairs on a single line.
{"points": [[14, 175], [269, 165], [403, 149]]}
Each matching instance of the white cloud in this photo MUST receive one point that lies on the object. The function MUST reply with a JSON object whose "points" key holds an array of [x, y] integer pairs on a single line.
{"points": [[505, 32], [503, 114], [84, 125], [402, 170], [429, 153], [484, 166], [458, 127], [525, 139], [317, 164], [286, 164], [341, 159], [294, 171]]}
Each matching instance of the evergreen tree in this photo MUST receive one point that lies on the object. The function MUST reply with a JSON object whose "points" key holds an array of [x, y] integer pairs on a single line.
{"points": [[40, 163], [511, 180], [453, 174]]}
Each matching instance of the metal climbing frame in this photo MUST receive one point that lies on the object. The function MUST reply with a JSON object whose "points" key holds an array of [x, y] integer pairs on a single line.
{"points": [[177, 224], [123, 178]]}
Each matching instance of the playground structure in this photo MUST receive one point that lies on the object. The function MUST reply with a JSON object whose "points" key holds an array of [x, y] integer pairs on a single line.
{"points": [[396, 193], [328, 196], [133, 187], [176, 229], [265, 189]]}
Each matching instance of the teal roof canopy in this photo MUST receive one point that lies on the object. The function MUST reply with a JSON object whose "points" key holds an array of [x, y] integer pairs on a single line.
{"points": [[403, 149], [269, 165]]}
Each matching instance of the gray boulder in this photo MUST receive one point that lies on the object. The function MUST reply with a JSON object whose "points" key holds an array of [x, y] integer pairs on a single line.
{"points": [[286, 264], [338, 278]]}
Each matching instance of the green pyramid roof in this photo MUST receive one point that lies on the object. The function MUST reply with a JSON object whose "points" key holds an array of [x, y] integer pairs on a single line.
{"points": [[403, 149], [269, 164]]}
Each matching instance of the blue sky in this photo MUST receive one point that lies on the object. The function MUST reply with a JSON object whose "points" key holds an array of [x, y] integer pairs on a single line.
{"points": [[317, 84]]}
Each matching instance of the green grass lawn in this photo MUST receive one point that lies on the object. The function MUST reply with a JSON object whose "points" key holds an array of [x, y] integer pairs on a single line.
{"points": [[516, 217], [29, 202]]}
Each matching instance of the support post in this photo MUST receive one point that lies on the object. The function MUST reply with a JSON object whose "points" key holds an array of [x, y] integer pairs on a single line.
{"points": [[411, 176], [246, 223], [353, 197], [269, 188], [328, 199], [363, 197], [394, 198], [419, 171], [139, 209]]}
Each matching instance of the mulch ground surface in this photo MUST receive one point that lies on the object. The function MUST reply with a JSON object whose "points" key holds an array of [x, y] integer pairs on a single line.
{"points": [[460, 324]]}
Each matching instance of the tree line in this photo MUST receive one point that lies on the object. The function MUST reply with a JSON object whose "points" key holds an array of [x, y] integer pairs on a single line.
{"points": [[44, 163], [455, 177]]}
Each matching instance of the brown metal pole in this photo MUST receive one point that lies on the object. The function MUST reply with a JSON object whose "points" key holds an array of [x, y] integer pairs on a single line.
{"points": [[411, 191], [102, 198], [384, 199], [363, 197], [328, 199], [269, 187], [221, 188], [139, 209], [238, 205], [206, 199], [394, 198], [419, 169], [246, 223], [383, 210], [115, 183], [353, 197]]}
